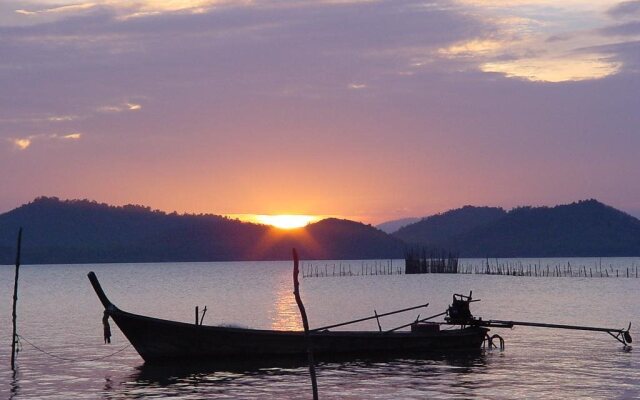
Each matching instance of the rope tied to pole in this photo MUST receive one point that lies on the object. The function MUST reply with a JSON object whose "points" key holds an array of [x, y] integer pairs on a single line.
{"points": [[71, 359], [18, 344], [106, 327]]}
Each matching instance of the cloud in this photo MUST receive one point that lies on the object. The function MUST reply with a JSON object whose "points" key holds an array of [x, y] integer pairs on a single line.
{"points": [[532, 39], [72, 8], [73, 136], [627, 54], [558, 38], [24, 143], [625, 9], [453, 81], [472, 48], [569, 68], [255, 39], [357, 86], [39, 119], [21, 143], [262, 49], [627, 29], [125, 9], [127, 106], [62, 118]]}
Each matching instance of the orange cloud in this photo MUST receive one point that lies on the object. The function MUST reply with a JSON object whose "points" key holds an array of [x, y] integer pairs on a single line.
{"points": [[24, 143]]}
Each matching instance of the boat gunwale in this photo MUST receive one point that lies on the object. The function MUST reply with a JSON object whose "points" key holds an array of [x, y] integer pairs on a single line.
{"points": [[115, 312]]}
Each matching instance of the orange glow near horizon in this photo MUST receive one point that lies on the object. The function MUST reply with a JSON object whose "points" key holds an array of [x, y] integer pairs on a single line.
{"points": [[286, 221], [281, 221]]}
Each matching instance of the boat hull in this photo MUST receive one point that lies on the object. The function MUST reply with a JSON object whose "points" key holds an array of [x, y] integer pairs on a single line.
{"points": [[161, 341]]}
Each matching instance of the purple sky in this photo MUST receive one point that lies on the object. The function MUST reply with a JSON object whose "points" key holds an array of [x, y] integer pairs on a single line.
{"points": [[372, 110]]}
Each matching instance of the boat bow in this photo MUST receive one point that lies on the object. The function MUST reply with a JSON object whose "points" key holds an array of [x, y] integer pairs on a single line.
{"points": [[108, 305]]}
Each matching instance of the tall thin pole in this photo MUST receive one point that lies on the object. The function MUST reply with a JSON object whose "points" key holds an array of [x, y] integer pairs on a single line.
{"points": [[305, 324], [15, 302]]}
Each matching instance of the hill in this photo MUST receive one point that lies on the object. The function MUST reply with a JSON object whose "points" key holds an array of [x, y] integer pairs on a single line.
{"points": [[344, 239], [583, 229], [394, 225], [82, 231], [441, 230]]}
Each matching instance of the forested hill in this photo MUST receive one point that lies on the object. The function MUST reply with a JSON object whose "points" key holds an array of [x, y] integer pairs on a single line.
{"points": [[82, 231], [439, 230], [584, 229]]}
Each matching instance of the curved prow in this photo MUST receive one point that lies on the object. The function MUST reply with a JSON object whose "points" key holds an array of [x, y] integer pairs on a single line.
{"points": [[96, 286], [627, 335]]}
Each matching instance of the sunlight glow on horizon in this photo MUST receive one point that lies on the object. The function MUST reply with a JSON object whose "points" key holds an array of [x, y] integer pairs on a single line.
{"points": [[286, 221], [281, 221]]}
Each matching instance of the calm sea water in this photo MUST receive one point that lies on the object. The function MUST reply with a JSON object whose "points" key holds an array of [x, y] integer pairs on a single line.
{"points": [[59, 312]]}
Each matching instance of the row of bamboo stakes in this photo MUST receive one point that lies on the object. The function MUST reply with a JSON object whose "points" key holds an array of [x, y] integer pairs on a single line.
{"points": [[558, 270], [380, 267], [510, 268]]}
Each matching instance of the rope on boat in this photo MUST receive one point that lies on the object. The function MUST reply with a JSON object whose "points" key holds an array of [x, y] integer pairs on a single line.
{"points": [[70, 359]]}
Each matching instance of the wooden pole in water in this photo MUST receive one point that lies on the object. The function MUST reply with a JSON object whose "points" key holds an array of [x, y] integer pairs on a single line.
{"points": [[305, 324], [15, 302], [204, 311]]}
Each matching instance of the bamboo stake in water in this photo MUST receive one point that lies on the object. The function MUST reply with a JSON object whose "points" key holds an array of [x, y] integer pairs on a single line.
{"points": [[305, 324], [15, 302]]}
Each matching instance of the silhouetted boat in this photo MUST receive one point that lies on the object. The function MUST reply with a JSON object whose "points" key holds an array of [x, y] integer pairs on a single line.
{"points": [[158, 340]]}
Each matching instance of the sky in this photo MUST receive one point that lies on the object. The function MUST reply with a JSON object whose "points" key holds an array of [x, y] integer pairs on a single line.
{"points": [[371, 110]]}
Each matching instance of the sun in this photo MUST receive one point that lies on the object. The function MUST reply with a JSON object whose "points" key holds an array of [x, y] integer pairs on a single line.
{"points": [[286, 221]]}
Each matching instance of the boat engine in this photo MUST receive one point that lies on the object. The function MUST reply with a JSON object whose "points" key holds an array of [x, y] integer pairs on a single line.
{"points": [[459, 312]]}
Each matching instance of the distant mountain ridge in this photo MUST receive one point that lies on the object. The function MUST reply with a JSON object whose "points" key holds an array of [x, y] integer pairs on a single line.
{"points": [[587, 228], [82, 231], [441, 229], [394, 225]]}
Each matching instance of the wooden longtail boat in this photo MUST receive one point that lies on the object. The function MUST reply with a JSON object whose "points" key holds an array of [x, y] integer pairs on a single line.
{"points": [[158, 340]]}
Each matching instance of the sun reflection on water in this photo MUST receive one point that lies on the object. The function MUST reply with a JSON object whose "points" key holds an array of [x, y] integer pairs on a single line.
{"points": [[285, 315]]}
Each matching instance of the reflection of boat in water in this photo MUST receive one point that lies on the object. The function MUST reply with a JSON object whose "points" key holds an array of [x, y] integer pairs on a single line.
{"points": [[158, 340], [429, 364]]}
